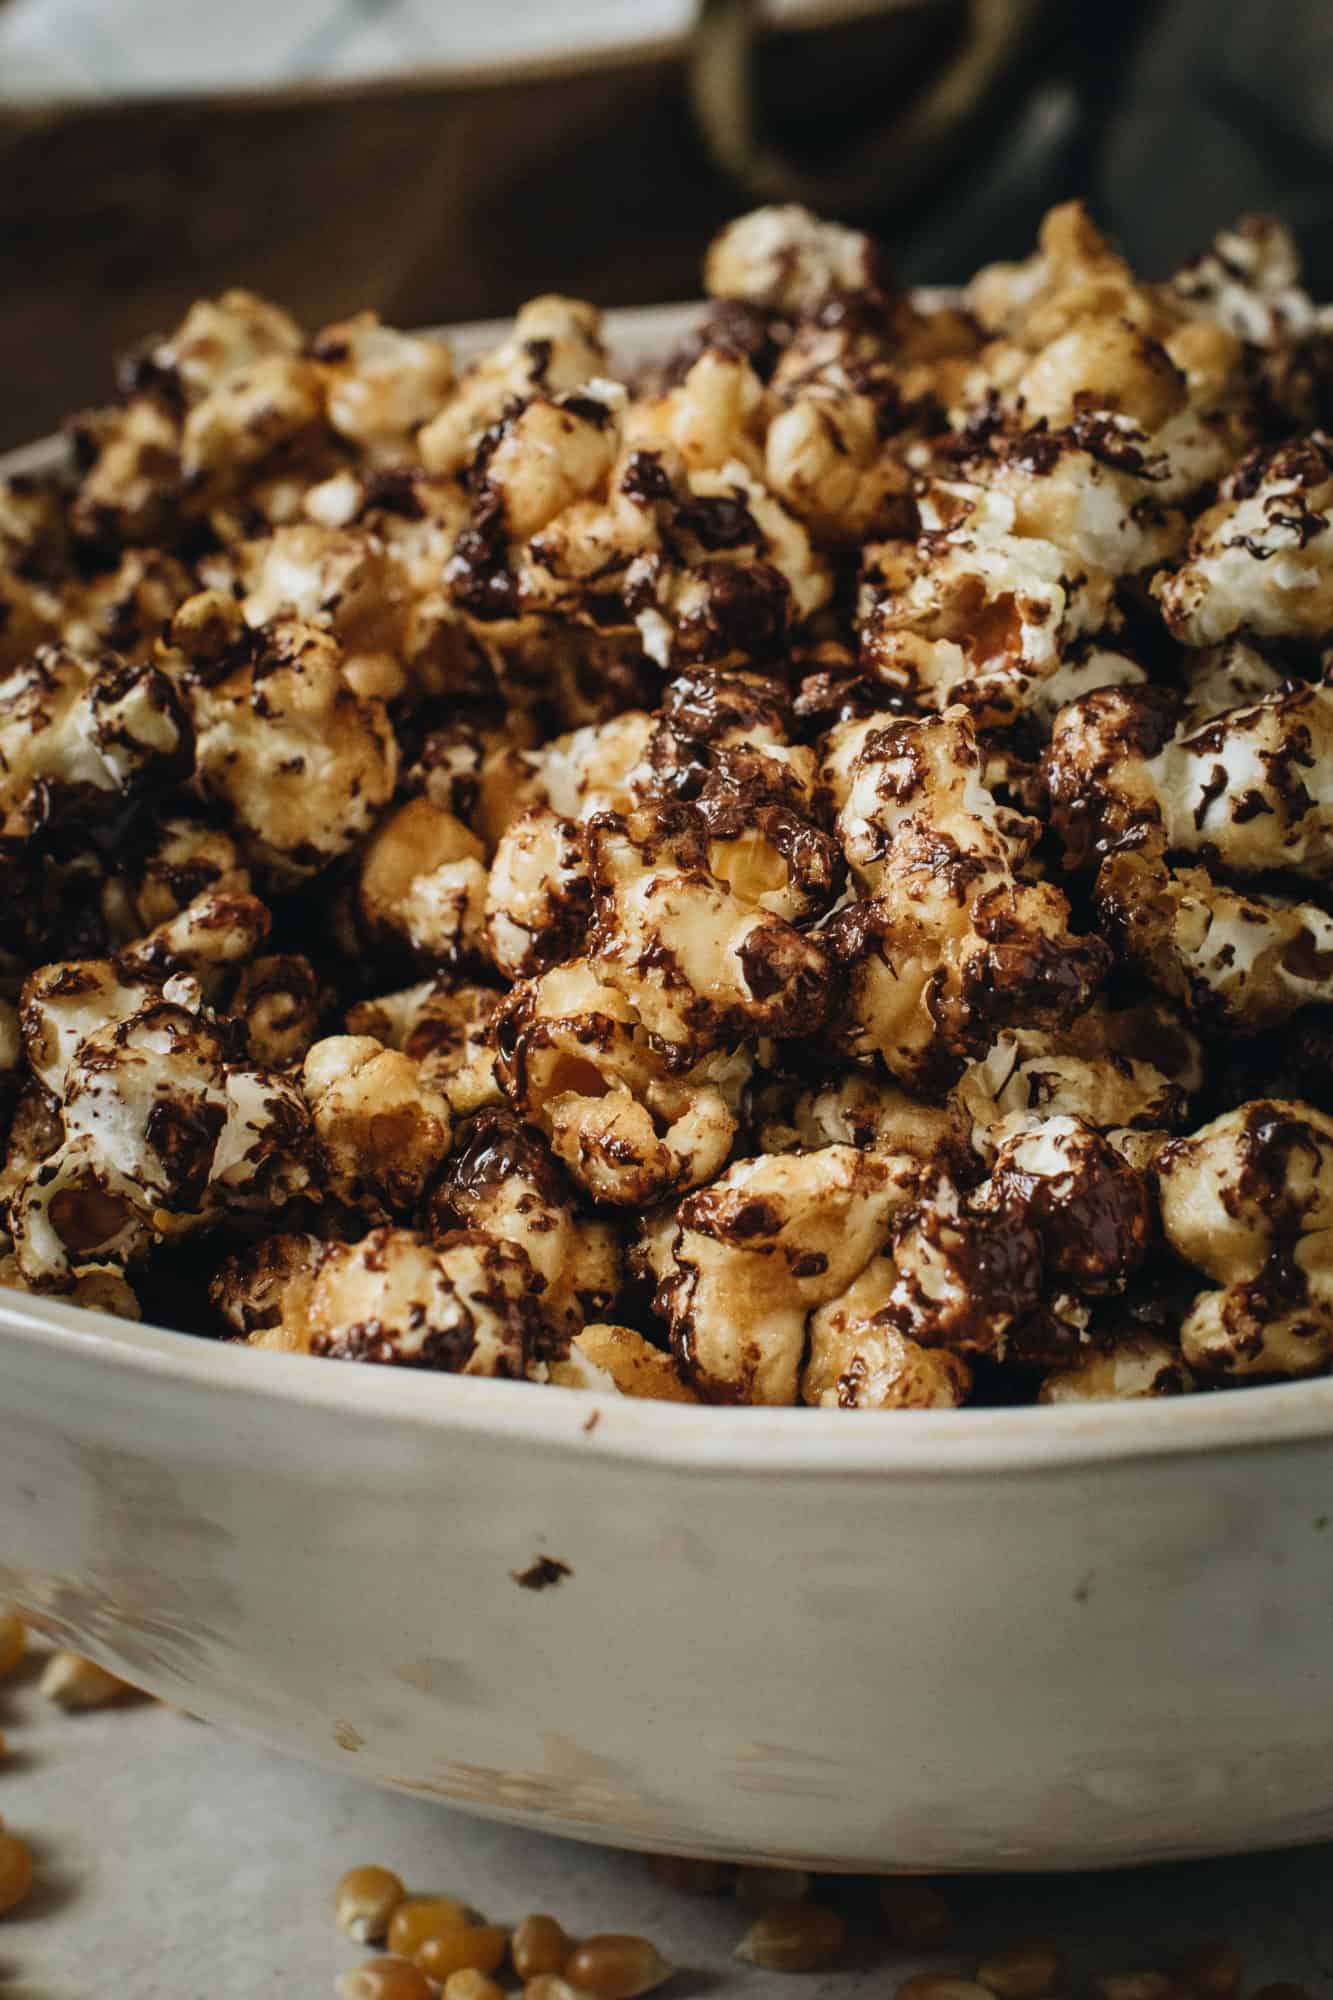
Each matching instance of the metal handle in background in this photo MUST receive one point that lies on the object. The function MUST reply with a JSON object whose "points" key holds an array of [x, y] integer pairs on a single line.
{"points": [[885, 165]]}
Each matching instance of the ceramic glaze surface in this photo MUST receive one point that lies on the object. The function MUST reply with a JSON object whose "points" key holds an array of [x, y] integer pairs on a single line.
{"points": [[1024, 1639]]}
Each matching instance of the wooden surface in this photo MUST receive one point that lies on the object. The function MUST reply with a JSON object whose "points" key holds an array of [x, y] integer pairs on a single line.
{"points": [[430, 204]]}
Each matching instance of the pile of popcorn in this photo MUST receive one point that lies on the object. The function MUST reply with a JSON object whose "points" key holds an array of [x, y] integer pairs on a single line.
{"points": [[801, 876]]}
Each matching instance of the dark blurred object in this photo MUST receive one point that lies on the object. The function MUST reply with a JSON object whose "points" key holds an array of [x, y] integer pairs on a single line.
{"points": [[449, 201], [1225, 107], [947, 125]]}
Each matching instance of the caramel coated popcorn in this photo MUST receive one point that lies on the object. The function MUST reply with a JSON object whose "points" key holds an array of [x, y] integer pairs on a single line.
{"points": [[800, 875]]}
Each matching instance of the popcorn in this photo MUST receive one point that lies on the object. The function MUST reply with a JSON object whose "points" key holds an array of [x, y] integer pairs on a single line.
{"points": [[1112, 1069], [274, 405], [574, 1057], [260, 1292], [946, 945], [175, 856], [977, 615], [343, 581], [284, 745], [619, 1359], [1135, 1368], [381, 386], [859, 1360], [539, 894], [1248, 281], [1261, 560], [278, 1002], [463, 1306], [130, 471], [159, 1130], [702, 966], [1244, 786], [1073, 276], [423, 883], [824, 458], [1235, 960], [799, 877], [751, 1257], [29, 618], [125, 608], [714, 415], [504, 1182], [787, 257], [1247, 1201], [217, 339], [381, 1133], [445, 1026], [556, 346], [82, 736]]}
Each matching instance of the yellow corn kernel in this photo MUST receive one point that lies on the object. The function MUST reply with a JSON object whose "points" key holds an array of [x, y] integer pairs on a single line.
{"points": [[384, 1979], [471, 1985], [615, 1966], [13, 1642], [915, 1912], [15, 1872], [794, 1937], [364, 1901], [539, 1945], [422, 1917], [467, 1948]]}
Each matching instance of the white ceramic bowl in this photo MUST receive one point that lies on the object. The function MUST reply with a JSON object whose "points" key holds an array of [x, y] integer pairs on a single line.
{"points": [[979, 1639]]}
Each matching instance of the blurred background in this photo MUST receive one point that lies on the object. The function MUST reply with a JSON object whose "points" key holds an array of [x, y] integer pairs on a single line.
{"points": [[442, 161]]}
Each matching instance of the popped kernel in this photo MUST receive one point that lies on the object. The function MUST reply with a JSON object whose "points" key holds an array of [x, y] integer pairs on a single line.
{"points": [[798, 876]]}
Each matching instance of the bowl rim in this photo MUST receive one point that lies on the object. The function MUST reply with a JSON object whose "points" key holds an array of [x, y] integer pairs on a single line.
{"points": [[723, 1438]]}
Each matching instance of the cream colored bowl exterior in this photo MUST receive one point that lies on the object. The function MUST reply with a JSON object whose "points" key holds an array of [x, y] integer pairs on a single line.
{"points": [[1009, 1638], [1026, 1639]]}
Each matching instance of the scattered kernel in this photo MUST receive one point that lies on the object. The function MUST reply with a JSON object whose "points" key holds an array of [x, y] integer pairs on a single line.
{"points": [[13, 1642], [539, 1945], [465, 1948], [365, 1900], [15, 1872], [469, 1984], [422, 1917], [794, 1937], [385, 1979], [615, 1966]]}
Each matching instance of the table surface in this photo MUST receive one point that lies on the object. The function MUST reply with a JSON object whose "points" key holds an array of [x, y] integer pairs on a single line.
{"points": [[180, 1864]]}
